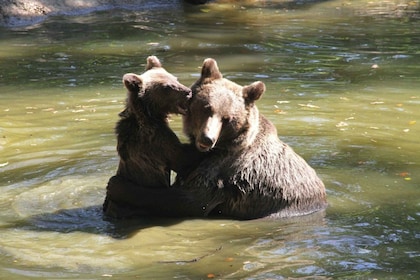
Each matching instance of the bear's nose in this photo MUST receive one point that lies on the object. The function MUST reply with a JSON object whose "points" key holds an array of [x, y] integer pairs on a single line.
{"points": [[207, 140], [205, 143]]}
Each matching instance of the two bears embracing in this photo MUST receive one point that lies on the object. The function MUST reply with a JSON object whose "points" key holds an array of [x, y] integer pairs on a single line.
{"points": [[234, 167]]}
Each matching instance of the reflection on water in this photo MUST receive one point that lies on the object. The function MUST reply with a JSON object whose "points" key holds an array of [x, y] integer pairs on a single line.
{"points": [[342, 89]]}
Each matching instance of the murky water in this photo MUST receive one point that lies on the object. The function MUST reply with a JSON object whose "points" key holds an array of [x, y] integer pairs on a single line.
{"points": [[342, 89]]}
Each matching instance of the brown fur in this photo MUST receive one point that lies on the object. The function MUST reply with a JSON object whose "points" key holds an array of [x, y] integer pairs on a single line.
{"points": [[246, 171], [147, 147]]}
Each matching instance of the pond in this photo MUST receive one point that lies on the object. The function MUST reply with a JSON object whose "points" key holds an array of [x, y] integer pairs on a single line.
{"points": [[342, 89]]}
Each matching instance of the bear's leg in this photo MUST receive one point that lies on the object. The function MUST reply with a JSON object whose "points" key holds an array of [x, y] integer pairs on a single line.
{"points": [[168, 202], [113, 209]]}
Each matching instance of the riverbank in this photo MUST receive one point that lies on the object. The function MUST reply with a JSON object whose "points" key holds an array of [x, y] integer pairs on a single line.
{"points": [[27, 12]]}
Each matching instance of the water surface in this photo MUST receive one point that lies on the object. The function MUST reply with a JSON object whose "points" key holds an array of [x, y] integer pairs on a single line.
{"points": [[342, 89]]}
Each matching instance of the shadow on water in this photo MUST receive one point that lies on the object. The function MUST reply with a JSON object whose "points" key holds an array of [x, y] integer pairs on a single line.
{"points": [[91, 220], [88, 220]]}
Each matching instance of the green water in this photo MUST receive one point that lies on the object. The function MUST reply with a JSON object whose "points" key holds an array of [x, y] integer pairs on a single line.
{"points": [[342, 89]]}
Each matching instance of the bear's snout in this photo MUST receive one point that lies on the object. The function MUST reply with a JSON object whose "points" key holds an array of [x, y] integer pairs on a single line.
{"points": [[210, 134], [205, 143], [183, 104], [188, 93]]}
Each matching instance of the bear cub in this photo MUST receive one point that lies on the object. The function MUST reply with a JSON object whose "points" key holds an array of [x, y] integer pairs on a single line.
{"points": [[147, 147]]}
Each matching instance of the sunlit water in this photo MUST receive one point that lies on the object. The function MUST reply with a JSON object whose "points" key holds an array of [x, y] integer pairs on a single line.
{"points": [[342, 89]]}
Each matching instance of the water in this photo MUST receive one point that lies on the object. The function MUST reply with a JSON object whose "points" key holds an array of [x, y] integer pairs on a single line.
{"points": [[342, 89]]}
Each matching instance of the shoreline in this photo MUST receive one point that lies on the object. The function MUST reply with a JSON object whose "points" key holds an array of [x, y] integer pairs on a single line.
{"points": [[17, 13]]}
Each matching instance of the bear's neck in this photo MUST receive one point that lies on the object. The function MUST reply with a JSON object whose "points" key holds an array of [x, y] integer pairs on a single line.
{"points": [[253, 126], [147, 115], [247, 136]]}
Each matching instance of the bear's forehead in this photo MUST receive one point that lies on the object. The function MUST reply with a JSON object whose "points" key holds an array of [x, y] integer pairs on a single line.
{"points": [[223, 87], [227, 84], [223, 101], [219, 95]]}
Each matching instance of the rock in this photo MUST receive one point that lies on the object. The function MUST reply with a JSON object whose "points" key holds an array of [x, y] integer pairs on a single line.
{"points": [[27, 12]]}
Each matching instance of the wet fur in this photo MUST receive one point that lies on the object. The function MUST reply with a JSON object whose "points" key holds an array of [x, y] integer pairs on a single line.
{"points": [[249, 172], [147, 147]]}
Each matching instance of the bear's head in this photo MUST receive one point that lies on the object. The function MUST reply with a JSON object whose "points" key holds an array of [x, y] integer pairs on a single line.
{"points": [[156, 92], [222, 113]]}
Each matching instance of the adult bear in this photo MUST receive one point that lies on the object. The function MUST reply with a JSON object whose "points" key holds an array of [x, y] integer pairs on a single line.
{"points": [[246, 172]]}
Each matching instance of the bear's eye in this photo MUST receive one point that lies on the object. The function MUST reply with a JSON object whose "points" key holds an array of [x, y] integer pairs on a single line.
{"points": [[207, 109]]}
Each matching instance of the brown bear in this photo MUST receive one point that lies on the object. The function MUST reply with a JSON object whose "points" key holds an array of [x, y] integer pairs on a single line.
{"points": [[147, 147], [246, 171]]}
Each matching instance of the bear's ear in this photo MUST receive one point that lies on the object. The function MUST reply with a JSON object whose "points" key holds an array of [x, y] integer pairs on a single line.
{"points": [[152, 61], [210, 70], [132, 82], [253, 91]]}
